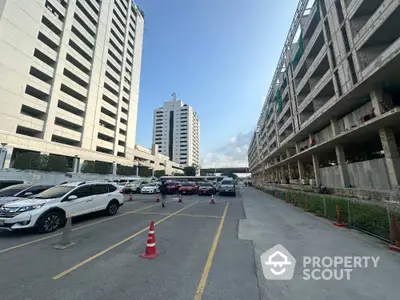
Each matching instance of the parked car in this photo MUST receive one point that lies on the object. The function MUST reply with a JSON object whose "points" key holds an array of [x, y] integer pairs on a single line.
{"points": [[206, 188], [189, 188], [18, 191], [48, 210], [173, 187], [7, 183], [150, 188], [227, 186]]}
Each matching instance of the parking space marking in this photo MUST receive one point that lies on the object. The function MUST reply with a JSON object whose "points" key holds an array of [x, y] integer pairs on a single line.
{"points": [[78, 228], [82, 263], [184, 215], [207, 267]]}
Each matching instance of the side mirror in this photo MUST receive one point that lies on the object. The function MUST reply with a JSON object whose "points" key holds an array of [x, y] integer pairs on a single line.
{"points": [[27, 194], [72, 197]]}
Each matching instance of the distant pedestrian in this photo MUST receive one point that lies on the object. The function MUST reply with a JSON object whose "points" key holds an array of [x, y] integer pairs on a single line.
{"points": [[163, 192]]}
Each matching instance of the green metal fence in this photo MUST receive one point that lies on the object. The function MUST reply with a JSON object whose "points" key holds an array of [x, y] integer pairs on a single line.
{"points": [[367, 216]]}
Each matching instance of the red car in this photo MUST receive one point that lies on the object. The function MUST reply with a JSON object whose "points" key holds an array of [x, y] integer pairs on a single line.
{"points": [[173, 187], [189, 188]]}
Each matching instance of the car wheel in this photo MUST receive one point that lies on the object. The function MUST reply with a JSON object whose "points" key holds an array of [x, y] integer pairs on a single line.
{"points": [[234, 194], [49, 222], [112, 207], [138, 190]]}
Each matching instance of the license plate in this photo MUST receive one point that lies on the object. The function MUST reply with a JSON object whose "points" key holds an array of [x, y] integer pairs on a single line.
{"points": [[1, 222]]}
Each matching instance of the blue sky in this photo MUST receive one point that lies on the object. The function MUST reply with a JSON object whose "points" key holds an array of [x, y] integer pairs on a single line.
{"points": [[219, 57]]}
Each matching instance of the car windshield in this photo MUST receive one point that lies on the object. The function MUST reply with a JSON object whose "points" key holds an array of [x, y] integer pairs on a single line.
{"points": [[206, 184], [188, 184], [150, 185], [55, 192], [227, 182], [13, 190]]}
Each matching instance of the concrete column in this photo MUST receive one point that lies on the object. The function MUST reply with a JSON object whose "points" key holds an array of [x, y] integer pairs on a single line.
{"points": [[137, 170], [81, 163], [281, 157], [377, 101], [392, 157], [152, 172], [334, 127], [283, 172], [290, 173], [5, 157], [114, 168], [287, 153], [315, 161], [298, 147], [341, 159], [300, 166], [75, 165], [277, 178]]}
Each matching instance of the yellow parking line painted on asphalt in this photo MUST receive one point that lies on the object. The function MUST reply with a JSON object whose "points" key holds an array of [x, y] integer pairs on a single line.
{"points": [[185, 215], [62, 274], [207, 268], [74, 229]]}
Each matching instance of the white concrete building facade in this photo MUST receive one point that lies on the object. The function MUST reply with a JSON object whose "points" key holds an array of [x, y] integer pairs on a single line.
{"points": [[176, 132], [69, 78], [332, 111]]}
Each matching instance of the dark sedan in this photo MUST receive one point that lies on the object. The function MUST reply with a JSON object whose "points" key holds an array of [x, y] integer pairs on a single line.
{"points": [[206, 188]]}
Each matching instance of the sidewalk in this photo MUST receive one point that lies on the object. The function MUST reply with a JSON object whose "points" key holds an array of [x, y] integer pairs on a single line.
{"points": [[270, 221]]}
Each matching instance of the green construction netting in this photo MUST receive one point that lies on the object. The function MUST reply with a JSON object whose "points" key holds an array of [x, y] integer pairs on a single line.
{"points": [[267, 114], [284, 83], [318, 11], [300, 50], [278, 97]]}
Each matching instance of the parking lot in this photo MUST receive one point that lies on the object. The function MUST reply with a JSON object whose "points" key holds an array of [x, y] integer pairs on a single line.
{"points": [[201, 256]]}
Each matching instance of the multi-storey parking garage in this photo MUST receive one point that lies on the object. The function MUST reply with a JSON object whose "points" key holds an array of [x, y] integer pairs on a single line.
{"points": [[332, 112], [70, 75]]}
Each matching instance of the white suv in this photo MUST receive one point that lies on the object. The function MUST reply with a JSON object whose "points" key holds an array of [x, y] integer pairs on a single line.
{"points": [[48, 210]]}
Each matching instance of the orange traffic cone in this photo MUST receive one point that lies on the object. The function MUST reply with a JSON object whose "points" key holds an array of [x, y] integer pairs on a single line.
{"points": [[180, 199], [212, 201], [151, 251], [151, 230], [130, 197], [338, 222], [394, 234], [158, 198]]}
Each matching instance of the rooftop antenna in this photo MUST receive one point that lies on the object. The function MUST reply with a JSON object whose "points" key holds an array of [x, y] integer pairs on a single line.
{"points": [[173, 96]]}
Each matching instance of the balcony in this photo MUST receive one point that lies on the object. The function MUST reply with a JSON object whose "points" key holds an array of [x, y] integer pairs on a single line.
{"points": [[85, 34], [108, 119], [380, 16], [30, 122], [72, 101], [39, 84], [106, 131], [89, 10], [285, 125], [108, 106], [43, 67], [79, 58], [70, 117], [35, 103], [67, 133], [112, 84], [86, 20], [57, 5], [110, 95], [50, 34], [284, 110], [74, 86], [105, 144], [315, 91], [54, 20], [307, 49], [82, 45], [76, 71], [114, 74]]}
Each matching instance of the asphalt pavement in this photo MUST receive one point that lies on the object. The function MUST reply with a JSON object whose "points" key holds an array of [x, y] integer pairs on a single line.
{"points": [[200, 257], [207, 251]]}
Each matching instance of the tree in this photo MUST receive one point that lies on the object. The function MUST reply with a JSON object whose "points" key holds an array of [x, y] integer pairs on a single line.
{"points": [[145, 172], [126, 170], [189, 171], [88, 166], [159, 173], [56, 163]]}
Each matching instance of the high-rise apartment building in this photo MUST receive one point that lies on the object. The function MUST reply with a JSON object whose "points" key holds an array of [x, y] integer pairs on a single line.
{"points": [[69, 77], [332, 111], [176, 131]]}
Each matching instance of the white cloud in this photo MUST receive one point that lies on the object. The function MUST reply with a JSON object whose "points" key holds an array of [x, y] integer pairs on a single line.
{"points": [[232, 154]]}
